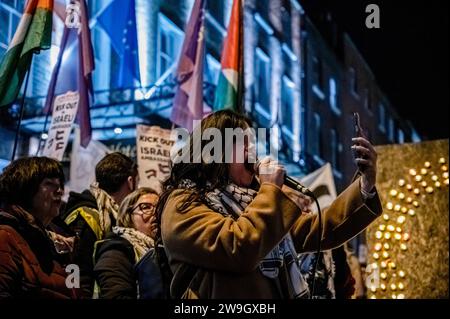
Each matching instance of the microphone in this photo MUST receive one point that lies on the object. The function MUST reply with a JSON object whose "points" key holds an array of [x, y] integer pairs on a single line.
{"points": [[290, 182]]}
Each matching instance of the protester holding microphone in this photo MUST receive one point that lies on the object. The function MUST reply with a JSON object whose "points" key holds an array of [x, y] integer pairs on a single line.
{"points": [[232, 232]]}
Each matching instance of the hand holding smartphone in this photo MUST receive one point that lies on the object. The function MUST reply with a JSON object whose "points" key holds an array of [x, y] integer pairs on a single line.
{"points": [[358, 132]]}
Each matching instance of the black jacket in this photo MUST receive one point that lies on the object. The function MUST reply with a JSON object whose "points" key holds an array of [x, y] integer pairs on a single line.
{"points": [[86, 238], [119, 277]]}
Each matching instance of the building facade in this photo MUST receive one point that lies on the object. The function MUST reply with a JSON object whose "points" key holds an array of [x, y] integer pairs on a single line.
{"points": [[301, 82]]}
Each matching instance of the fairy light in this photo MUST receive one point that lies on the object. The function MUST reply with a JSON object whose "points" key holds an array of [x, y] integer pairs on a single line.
{"points": [[376, 255], [387, 235], [416, 191], [397, 207], [427, 164], [423, 171], [389, 206], [401, 286], [398, 230], [415, 203], [393, 287], [445, 175], [446, 182], [400, 296], [401, 196], [385, 255], [382, 227], [429, 190], [393, 192], [383, 264], [409, 187], [418, 178], [401, 219], [442, 160], [444, 168], [390, 228], [411, 212], [424, 184], [434, 178], [383, 287], [403, 247], [401, 274], [405, 237], [398, 236], [386, 217], [401, 182], [409, 200], [378, 235], [412, 172], [386, 246], [383, 275]]}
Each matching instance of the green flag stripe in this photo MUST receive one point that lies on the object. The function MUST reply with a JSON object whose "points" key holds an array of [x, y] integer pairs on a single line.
{"points": [[226, 95]]}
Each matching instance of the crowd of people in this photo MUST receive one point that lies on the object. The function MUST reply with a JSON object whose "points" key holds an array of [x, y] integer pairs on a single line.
{"points": [[217, 230]]}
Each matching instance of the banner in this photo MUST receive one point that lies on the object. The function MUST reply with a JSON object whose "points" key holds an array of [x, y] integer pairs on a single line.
{"points": [[153, 146], [83, 162], [64, 112], [321, 183]]}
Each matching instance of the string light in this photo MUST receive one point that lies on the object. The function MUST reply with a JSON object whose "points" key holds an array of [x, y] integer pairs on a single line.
{"points": [[429, 190], [423, 171], [411, 212], [377, 246], [409, 200], [444, 168], [389, 206], [401, 286], [427, 164], [418, 178], [412, 172], [424, 184], [401, 182], [393, 192], [442, 160], [387, 235], [404, 210], [401, 219], [397, 207], [409, 187], [401, 296], [401, 196], [403, 247], [434, 178], [401, 273], [416, 203], [385, 255], [405, 237], [378, 235], [416, 191], [383, 275], [398, 236], [386, 217], [386, 246], [398, 230], [382, 227], [390, 228], [445, 175]]}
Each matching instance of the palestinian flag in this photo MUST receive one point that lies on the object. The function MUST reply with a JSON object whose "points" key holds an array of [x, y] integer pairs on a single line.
{"points": [[33, 33], [229, 91]]}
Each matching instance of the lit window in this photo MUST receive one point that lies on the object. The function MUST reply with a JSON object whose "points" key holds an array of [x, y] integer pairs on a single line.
{"points": [[287, 103], [334, 139], [382, 118], [170, 40], [262, 84], [353, 81], [333, 96]]}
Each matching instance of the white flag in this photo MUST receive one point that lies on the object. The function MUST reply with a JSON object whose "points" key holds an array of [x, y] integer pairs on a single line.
{"points": [[83, 162], [321, 183]]}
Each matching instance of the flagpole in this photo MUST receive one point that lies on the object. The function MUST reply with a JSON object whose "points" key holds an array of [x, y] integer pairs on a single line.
{"points": [[43, 131], [22, 107]]}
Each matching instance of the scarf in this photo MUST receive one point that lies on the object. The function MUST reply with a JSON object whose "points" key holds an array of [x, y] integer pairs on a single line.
{"points": [[141, 243], [232, 201], [106, 207]]}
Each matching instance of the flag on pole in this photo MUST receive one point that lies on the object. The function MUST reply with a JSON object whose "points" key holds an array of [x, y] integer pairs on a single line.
{"points": [[74, 67], [188, 102], [229, 91], [119, 22], [33, 33]]}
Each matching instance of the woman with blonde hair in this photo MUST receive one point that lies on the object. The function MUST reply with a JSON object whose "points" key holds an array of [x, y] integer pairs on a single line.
{"points": [[125, 265]]}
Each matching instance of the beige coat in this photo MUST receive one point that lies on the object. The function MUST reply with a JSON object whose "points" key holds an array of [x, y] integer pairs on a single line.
{"points": [[218, 257]]}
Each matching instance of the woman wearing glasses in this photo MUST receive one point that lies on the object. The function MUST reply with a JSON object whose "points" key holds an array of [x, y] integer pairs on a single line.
{"points": [[125, 265]]}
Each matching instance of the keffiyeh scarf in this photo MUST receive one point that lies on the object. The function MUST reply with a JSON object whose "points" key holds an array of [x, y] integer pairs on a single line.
{"points": [[232, 201], [141, 242], [107, 207]]}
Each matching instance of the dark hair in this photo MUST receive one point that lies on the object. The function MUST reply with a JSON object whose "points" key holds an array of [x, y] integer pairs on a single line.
{"points": [[113, 170], [20, 180], [206, 176]]}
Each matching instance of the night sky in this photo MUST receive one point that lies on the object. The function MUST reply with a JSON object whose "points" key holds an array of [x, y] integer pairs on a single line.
{"points": [[408, 54]]}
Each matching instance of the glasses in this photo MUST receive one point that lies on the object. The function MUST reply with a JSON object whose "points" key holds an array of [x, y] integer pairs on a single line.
{"points": [[145, 208]]}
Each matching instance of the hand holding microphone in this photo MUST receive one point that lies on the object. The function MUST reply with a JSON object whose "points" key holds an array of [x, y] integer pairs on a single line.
{"points": [[276, 174]]}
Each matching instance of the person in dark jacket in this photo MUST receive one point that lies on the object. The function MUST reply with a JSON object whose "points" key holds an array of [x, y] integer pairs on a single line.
{"points": [[30, 267], [125, 262], [93, 213]]}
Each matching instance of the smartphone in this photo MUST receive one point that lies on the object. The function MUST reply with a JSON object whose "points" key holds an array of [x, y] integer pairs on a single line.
{"points": [[357, 124], [358, 133]]}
